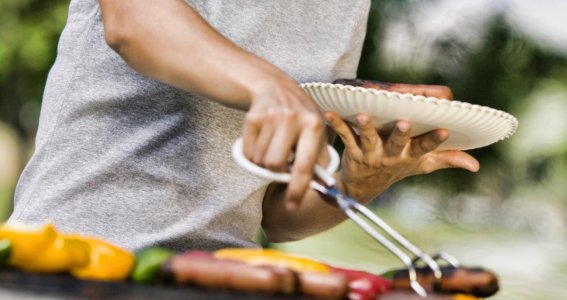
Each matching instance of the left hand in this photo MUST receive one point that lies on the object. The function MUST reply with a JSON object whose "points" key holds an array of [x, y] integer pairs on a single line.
{"points": [[370, 163]]}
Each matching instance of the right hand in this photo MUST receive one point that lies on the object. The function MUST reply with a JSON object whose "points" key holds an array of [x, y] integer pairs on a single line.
{"points": [[193, 56], [282, 119]]}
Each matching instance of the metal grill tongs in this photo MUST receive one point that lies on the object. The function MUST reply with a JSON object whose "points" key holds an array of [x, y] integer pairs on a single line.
{"points": [[358, 213]]}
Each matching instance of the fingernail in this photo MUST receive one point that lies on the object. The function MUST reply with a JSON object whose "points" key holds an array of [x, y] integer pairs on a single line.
{"points": [[362, 121], [442, 135], [403, 126], [474, 167]]}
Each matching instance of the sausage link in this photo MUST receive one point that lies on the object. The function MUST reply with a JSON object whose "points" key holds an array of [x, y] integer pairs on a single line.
{"points": [[471, 281], [323, 285], [287, 279], [437, 91], [222, 274]]}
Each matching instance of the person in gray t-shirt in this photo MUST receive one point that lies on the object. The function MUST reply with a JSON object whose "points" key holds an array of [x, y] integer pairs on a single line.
{"points": [[146, 97]]}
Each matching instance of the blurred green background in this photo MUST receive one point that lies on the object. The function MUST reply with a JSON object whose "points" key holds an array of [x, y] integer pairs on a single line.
{"points": [[510, 55]]}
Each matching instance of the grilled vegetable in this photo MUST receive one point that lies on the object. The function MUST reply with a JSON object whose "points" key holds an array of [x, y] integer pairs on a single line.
{"points": [[45, 250], [5, 248], [364, 285], [105, 261], [270, 257], [148, 265]]}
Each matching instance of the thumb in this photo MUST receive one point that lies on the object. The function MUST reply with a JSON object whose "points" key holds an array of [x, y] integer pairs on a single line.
{"points": [[438, 160]]}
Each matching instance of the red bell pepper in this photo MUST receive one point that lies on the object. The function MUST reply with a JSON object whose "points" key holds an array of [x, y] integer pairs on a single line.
{"points": [[364, 285]]}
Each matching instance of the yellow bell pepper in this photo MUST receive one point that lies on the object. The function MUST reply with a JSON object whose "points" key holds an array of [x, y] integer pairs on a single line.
{"points": [[106, 261], [270, 257], [45, 250]]}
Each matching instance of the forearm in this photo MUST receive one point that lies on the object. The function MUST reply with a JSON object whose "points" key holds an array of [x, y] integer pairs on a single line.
{"points": [[172, 43]]}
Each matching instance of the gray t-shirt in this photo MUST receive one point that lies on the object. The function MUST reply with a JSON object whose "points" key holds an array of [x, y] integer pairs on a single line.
{"points": [[137, 162]]}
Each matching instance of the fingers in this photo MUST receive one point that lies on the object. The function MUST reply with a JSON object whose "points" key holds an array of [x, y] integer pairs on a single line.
{"points": [[344, 131], [281, 143], [369, 139], [438, 160], [309, 146], [398, 139], [268, 138], [250, 133], [427, 142], [263, 141], [422, 147]]}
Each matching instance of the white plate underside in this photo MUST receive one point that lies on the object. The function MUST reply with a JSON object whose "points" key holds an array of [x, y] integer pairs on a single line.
{"points": [[470, 126]]}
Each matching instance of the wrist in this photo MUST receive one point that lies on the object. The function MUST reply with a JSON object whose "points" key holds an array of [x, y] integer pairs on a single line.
{"points": [[266, 78], [360, 190]]}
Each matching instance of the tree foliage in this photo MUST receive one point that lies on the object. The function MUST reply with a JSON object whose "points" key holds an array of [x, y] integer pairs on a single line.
{"points": [[29, 30]]}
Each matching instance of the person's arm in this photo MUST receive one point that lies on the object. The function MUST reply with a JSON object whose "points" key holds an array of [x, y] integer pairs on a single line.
{"points": [[169, 41], [370, 164]]}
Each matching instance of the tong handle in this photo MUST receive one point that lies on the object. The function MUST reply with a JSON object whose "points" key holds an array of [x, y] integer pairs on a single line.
{"points": [[246, 164]]}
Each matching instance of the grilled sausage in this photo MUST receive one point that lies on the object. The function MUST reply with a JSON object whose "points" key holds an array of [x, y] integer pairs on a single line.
{"points": [[206, 271], [287, 279], [224, 274], [471, 281], [323, 285], [437, 91]]}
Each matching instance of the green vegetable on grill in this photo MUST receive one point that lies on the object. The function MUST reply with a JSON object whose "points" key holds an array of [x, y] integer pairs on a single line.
{"points": [[5, 248], [148, 264]]}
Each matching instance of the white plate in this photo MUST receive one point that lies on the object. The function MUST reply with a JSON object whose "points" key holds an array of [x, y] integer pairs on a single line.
{"points": [[470, 126]]}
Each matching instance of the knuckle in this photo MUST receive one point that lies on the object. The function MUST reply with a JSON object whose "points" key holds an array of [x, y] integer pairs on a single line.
{"points": [[289, 114], [357, 157], [271, 113], [429, 161], [253, 118], [429, 165], [397, 145], [369, 138], [374, 162], [356, 154], [386, 163], [274, 163]]}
